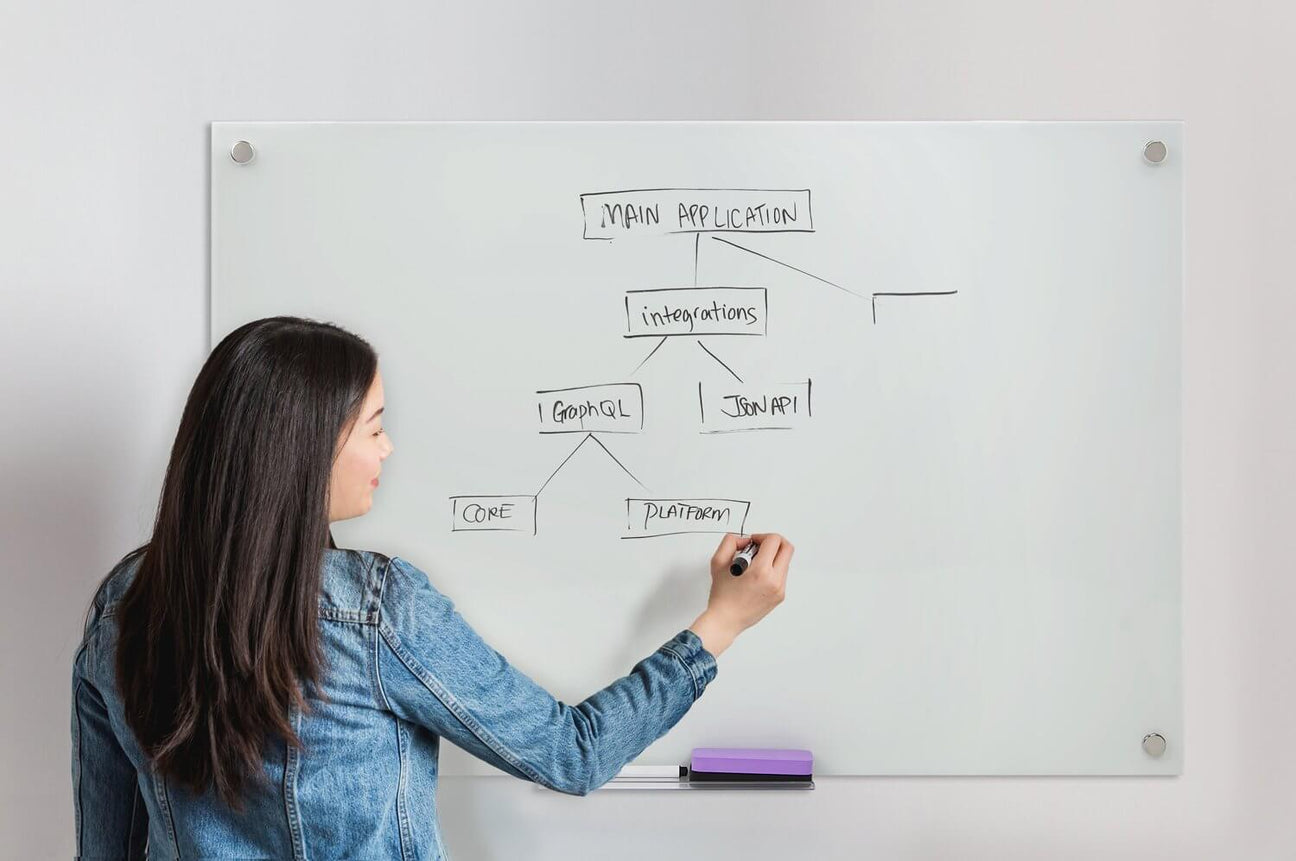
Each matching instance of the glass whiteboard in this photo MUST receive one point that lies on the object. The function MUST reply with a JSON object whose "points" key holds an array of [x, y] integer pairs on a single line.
{"points": [[943, 358]]}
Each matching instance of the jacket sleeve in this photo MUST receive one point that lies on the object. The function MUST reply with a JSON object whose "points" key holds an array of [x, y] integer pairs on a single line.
{"points": [[434, 670], [110, 817]]}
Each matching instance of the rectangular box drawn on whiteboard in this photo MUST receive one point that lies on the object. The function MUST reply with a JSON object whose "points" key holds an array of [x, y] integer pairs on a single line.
{"points": [[493, 514], [660, 211], [610, 408], [693, 311], [751, 407], [650, 518]]}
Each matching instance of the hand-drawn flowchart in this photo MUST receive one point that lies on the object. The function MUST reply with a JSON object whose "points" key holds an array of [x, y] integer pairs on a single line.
{"points": [[665, 313]]}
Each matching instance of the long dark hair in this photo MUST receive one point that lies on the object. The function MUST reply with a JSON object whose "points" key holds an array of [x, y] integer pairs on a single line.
{"points": [[218, 632]]}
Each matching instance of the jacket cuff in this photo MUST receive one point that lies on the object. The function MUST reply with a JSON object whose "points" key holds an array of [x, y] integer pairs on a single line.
{"points": [[701, 664]]}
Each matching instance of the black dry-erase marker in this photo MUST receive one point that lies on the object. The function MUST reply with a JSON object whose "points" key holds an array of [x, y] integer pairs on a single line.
{"points": [[743, 558]]}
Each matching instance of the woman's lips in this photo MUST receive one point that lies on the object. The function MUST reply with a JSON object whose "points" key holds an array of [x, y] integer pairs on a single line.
{"points": [[374, 482]]}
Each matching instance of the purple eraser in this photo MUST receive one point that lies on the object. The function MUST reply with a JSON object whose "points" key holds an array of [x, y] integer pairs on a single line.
{"points": [[751, 760]]}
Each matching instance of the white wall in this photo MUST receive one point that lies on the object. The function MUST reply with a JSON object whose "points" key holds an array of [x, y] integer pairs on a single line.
{"points": [[103, 268]]}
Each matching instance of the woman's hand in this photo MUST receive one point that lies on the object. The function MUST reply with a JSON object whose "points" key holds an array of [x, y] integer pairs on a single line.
{"points": [[737, 603]]}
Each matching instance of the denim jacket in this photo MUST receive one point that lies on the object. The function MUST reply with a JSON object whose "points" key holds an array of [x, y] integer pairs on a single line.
{"points": [[402, 671]]}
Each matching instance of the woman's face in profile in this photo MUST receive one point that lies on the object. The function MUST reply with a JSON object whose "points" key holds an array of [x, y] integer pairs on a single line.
{"points": [[355, 472]]}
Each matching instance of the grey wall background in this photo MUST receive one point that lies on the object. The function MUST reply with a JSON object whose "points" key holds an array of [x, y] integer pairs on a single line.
{"points": [[103, 268]]}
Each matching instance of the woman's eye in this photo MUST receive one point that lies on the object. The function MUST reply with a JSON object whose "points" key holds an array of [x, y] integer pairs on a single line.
{"points": [[379, 431]]}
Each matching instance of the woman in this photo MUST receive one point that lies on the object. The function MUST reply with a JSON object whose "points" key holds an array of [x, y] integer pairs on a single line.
{"points": [[245, 689]]}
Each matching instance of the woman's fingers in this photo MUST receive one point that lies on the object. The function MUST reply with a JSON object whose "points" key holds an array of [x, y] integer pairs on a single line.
{"points": [[784, 557], [769, 545], [728, 547]]}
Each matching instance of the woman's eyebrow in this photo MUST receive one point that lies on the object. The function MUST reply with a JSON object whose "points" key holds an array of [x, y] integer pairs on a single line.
{"points": [[375, 415]]}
